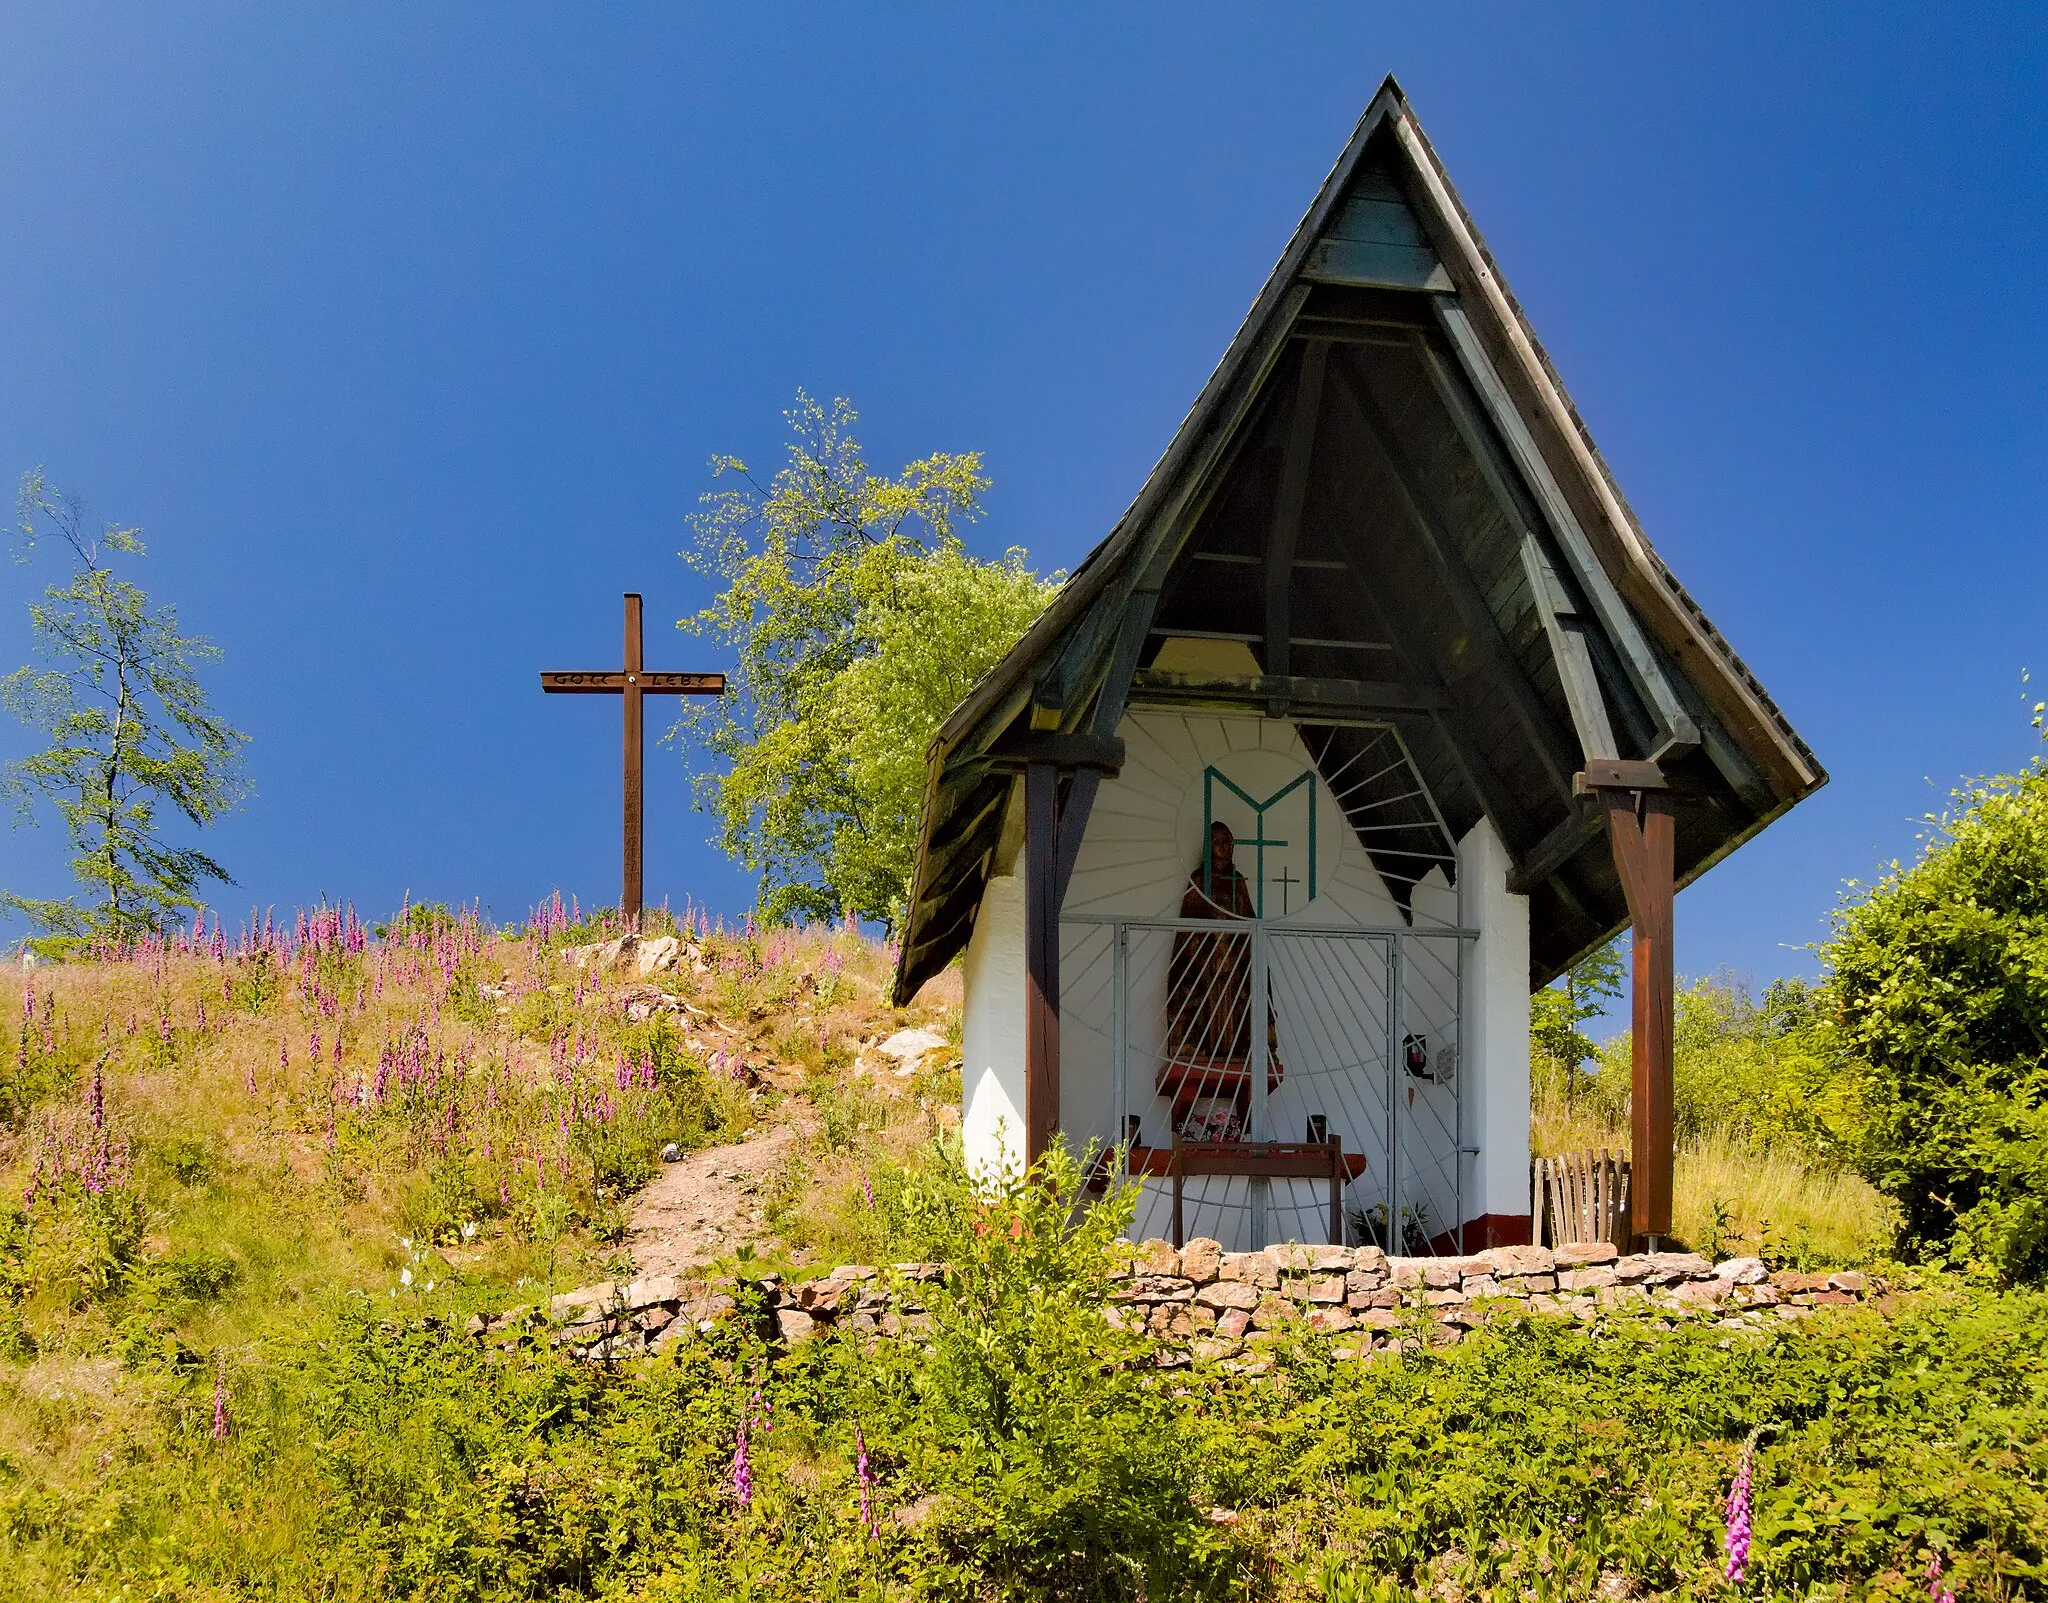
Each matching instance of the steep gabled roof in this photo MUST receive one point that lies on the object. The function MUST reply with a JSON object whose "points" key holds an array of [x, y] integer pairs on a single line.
{"points": [[1384, 490]]}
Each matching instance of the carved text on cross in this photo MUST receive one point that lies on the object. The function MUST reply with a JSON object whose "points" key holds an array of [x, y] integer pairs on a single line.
{"points": [[631, 683]]}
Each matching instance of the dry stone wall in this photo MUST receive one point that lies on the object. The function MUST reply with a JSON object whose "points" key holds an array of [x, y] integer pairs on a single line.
{"points": [[1211, 1305]]}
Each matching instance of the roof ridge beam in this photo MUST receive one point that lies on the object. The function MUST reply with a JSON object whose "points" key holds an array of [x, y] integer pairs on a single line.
{"points": [[1285, 531]]}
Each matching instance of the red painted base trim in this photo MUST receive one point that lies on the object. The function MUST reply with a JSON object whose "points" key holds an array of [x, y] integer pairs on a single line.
{"points": [[1497, 1230]]}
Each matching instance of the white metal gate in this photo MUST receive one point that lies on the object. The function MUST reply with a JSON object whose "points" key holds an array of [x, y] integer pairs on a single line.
{"points": [[1361, 1041]]}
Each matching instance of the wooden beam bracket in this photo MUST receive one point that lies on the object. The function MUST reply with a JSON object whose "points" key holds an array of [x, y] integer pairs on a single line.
{"points": [[1057, 748], [1618, 773]]}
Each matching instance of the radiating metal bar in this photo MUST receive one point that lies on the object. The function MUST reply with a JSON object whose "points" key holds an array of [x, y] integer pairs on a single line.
{"points": [[1211, 926]]}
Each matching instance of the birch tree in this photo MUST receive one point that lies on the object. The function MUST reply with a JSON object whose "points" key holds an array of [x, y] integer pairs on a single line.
{"points": [[131, 734]]}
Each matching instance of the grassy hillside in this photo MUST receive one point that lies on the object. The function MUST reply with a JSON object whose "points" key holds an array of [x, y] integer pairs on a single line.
{"points": [[255, 1186]]}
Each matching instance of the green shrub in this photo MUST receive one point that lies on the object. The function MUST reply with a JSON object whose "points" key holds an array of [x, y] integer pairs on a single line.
{"points": [[1762, 1074], [1052, 1444], [1938, 976]]}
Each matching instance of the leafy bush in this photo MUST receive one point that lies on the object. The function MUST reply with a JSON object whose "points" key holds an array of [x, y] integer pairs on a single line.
{"points": [[1053, 1447], [1938, 977], [1542, 1460], [1760, 1073]]}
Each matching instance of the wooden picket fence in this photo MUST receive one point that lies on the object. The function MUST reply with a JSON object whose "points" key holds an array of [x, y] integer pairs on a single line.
{"points": [[1580, 1197]]}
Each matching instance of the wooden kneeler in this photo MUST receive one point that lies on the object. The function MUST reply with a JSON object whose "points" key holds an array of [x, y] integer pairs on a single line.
{"points": [[1267, 1160]]}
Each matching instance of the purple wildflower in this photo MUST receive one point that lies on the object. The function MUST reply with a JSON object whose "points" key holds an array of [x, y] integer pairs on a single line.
{"points": [[220, 1401], [1936, 1592], [742, 1472], [1736, 1542], [867, 1481], [867, 1190]]}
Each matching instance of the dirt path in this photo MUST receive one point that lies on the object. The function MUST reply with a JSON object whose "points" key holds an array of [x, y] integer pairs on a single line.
{"points": [[708, 1205]]}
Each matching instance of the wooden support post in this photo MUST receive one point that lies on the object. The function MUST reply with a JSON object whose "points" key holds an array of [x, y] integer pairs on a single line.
{"points": [[1041, 959], [1641, 826]]}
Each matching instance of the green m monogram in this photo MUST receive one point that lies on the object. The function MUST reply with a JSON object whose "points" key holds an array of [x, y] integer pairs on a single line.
{"points": [[1211, 778]]}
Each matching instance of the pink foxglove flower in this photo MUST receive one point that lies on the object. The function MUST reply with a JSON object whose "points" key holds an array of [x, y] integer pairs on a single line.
{"points": [[1736, 1542], [220, 1401], [867, 1481], [742, 1472]]}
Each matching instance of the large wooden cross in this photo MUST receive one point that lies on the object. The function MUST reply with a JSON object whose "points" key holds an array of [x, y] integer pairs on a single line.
{"points": [[633, 682]]}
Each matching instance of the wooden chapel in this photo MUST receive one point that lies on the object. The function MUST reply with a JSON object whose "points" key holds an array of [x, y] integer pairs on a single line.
{"points": [[1374, 712]]}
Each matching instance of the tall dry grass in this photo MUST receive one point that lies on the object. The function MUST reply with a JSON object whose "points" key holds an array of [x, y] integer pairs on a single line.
{"points": [[1739, 1186]]}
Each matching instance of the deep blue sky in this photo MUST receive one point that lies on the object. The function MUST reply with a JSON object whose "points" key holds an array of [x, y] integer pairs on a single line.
{"points": [[406, 331]]}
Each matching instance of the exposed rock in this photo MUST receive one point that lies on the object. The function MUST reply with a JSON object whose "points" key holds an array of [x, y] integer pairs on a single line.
{"points": [[910, 1048], [1228, 1294], [657, 955], [654, 1289], [1200, 1304], [1155, 1288]]}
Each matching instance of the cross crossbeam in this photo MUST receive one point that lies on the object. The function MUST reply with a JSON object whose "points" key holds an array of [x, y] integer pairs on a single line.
{"points": [[630, 683]]}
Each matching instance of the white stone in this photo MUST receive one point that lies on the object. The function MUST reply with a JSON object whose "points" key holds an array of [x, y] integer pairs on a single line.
{"points": [[910, 1048], [658, 954]]}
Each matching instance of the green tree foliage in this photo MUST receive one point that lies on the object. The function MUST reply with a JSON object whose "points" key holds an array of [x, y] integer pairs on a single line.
{"points": [[1762, 1073], [1938, 977], [130, 728], [1560, 1011], [860, 619]]}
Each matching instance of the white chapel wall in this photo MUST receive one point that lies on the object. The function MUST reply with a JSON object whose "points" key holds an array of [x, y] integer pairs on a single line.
{"points": [[1497, 1024], [992, 1031]]}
